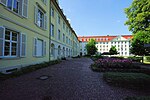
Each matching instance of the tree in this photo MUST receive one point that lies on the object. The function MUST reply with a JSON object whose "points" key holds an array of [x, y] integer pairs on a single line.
{"points": [[138, 15], [113, 50], [138, 41], [91, 48]]}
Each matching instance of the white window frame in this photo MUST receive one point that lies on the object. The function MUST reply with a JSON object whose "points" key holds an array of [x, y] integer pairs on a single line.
{"points": [[43, 53], [37, 18], [59, 35], [22, 7], [52, 12], [19, 43], [52, 30]]}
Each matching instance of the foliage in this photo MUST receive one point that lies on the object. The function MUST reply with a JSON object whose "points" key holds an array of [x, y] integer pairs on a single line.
{"points": [[91, 48], [127, 79], [138, 15], [113, 50], [137, 59], [138, 41], [27, 69], [138, 98], [147, 58], [96, 57]]}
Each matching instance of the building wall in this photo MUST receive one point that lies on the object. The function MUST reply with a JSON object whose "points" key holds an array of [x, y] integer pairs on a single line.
{"points": [[15, 22], [104, 43], [66, 45]]}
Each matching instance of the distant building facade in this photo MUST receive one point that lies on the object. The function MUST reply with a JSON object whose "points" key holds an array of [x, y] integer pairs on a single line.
{"points": [[104, 43]]}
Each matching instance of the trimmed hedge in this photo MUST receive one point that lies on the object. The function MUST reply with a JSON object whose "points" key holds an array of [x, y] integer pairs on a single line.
{"points": [[138, 98], [137, 59], [139, 80]]}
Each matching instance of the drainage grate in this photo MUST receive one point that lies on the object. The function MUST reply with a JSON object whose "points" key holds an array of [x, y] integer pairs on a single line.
{"points": [[43, 77]]}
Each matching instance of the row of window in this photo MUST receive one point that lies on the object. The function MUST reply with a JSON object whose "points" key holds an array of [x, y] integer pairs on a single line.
{"points": [[65, 27], [65, 52], [97, 39], [13, 44], [68, 40]]}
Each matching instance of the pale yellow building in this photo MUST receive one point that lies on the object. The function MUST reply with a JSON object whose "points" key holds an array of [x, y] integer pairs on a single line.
{"points": [[24, 33], [63, 38], [31, 33]]}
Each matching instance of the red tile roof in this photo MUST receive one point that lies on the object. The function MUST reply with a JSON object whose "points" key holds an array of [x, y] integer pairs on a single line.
{"points": [[101, 38]]}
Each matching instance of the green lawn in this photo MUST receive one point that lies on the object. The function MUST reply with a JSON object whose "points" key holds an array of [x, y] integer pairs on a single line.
{"points": [[139, 80]]}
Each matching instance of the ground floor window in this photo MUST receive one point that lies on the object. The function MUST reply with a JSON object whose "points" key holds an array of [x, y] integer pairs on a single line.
{"points": [[53, 50], [12, 43], [39, 47]]}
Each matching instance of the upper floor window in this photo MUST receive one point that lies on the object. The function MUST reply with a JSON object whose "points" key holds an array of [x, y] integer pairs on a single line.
{"points": [[66, 39], [52, 12], [58, 34], [52, 30], [63, 37], [40, 18], [63, 25], [18, 6], [58, 19]]}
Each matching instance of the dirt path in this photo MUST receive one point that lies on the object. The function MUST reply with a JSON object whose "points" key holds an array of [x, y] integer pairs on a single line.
{"points": [[69, 80]]}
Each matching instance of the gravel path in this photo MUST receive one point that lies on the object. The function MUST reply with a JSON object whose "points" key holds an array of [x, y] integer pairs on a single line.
{"points": [[69, 80]]}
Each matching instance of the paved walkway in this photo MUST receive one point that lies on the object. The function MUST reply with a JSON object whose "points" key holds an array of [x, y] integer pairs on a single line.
{"points": [[69, 80]]}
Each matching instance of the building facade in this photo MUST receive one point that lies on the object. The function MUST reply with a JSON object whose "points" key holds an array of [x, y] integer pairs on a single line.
{"points": [[104, 43], [29, 34], [64, 41]]}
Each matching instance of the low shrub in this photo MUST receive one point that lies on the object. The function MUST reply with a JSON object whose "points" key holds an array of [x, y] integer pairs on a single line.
{"points": [[147, 58], [138, 98], [137, 80], [137, 59], [96, 57], [118, 57]]}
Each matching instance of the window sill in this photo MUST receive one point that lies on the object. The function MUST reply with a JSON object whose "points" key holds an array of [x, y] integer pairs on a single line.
{"points": [[10, 58], [39, 56], [14, 13], [40, 27]]}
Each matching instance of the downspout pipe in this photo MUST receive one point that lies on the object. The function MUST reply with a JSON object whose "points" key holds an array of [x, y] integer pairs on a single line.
{"points": [[50, 32]]}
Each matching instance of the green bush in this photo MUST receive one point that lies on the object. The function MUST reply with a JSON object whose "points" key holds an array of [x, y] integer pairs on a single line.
{"points": [[147, 58], [127, 79], [137, 59]]}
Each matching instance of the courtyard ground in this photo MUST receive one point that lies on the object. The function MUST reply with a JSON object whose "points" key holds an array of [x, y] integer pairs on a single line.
{"points": [[70, 80]]}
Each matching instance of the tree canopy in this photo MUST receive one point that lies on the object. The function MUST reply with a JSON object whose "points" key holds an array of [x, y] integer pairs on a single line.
{"points": [[113, 50], [91, 48], [138, 41], [138, 15]]}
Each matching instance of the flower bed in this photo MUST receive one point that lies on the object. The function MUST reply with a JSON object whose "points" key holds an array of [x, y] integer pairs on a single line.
{"points": [[114, 64]]}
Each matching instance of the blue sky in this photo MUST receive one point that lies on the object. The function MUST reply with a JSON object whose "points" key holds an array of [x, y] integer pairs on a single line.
{"points": [[97, 17]]}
